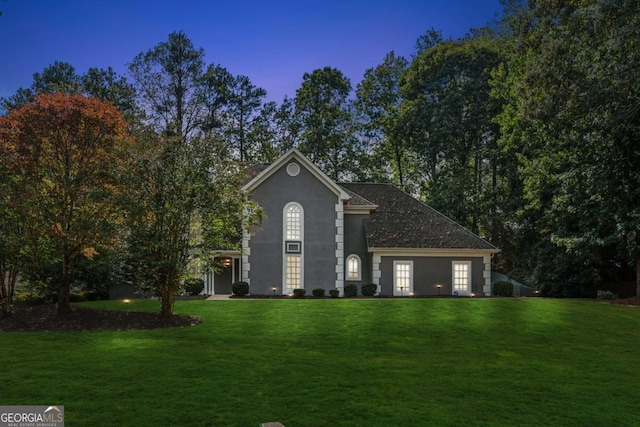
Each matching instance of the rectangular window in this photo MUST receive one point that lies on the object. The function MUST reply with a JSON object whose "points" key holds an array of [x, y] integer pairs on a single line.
{"points": [[293, 273], [402, 278], [461, 277]]}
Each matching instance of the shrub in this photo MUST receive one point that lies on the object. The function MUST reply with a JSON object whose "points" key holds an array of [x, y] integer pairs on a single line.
{"points": [[334, 293], [606, 295], [318, 292], [240, 288], [31, 298], [77, 296], [369, 289], [193, 286], [503, 288], [350, 290], [299, 293]]}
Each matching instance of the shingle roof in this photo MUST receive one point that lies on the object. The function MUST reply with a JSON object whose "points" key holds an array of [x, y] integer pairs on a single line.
{"points": [[401, 221], [253, 171]]}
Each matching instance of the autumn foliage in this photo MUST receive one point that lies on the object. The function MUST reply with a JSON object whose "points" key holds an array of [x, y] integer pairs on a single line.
{"points": [[62, 153]]}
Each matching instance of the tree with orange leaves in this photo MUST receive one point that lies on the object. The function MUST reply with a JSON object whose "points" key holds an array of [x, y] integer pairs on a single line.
{"points": [[62, 155]]}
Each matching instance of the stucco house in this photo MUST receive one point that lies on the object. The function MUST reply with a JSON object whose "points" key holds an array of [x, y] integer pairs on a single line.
{"points": [[322, 234]]}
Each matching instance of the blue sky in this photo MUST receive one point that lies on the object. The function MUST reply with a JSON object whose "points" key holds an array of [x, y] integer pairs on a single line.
{"points": [[274, 42]]}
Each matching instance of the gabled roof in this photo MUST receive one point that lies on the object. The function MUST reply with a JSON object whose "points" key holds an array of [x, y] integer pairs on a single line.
{"points": [[265, 171], [403, 222]]}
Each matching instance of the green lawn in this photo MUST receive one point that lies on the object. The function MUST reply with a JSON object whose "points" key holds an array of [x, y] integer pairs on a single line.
{"points": [[330, 362]]}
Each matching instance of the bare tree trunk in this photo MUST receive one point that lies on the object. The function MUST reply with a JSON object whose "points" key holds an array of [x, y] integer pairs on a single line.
{"points": [[64, 306], [7, 289], [638, 264], [638, 277]]}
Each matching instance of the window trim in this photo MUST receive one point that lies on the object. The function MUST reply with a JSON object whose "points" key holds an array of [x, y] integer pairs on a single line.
{"points": [[403, 292], [287, 244], [359, 268], [469, 264]]}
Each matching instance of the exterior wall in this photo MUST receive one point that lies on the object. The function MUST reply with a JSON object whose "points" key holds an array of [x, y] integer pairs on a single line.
{"points": [[355, 243], [265, 255], [429, 271]]}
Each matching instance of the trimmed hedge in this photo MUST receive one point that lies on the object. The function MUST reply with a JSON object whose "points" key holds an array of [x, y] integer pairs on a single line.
{"points": [[318, 292], [369, 289], [350, 290], [503, 288], [240, 288], [299, 293], [334, 293]]}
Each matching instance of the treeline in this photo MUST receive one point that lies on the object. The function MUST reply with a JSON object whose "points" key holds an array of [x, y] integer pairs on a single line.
{"points": [[526, 131]]}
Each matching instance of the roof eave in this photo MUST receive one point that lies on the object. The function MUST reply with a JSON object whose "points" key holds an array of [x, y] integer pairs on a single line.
{"points": [[434, 251]]}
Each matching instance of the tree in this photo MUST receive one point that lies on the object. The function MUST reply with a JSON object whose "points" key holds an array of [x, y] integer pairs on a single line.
{"points": [[326, 121], [216, 92], [274, 131], [168, 78], [185, 202], [572, 118], [61, 77], [61, 152], [447, 114], [244, 100], [378, 106]]}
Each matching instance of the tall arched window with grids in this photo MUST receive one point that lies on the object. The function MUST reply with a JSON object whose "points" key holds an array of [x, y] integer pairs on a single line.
{"points": [[293, 238]]}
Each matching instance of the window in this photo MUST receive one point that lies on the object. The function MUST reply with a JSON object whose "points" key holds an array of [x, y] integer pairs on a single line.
{"points": [[293, 237], [293, 169], [461, 275], [293, 221], [293, 273], [402, 278], [354, 268]]}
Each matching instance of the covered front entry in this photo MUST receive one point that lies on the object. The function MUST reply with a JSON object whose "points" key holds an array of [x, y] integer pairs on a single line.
{"points": [[220, 283]]}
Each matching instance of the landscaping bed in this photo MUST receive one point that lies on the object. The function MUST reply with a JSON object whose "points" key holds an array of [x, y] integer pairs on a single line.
{"points": [[44, 318]]}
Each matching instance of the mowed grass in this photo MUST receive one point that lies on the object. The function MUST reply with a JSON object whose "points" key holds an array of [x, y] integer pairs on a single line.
{"points": [[402, 362]]}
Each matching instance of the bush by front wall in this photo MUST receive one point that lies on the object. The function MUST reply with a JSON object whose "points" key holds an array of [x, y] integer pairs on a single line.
{"points": [[369, 289], [240, 288], [503, 288], [350, 290]]}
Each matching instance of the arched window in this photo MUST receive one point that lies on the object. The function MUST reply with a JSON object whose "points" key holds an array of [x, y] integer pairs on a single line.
{"points": [[354, 268], [293, 222], [293, 237]]}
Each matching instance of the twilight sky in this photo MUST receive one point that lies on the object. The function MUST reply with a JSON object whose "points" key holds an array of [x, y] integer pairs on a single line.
{"points": [[274, 42]]}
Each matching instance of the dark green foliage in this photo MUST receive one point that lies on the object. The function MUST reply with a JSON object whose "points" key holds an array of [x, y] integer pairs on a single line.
{"points": [[32, 298], [326, 136], [369, 289], [193, 286], [318, 292], [299, 293], [240, 288], [606, 295], [350, 290], [334, 293], [503, 288]]}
